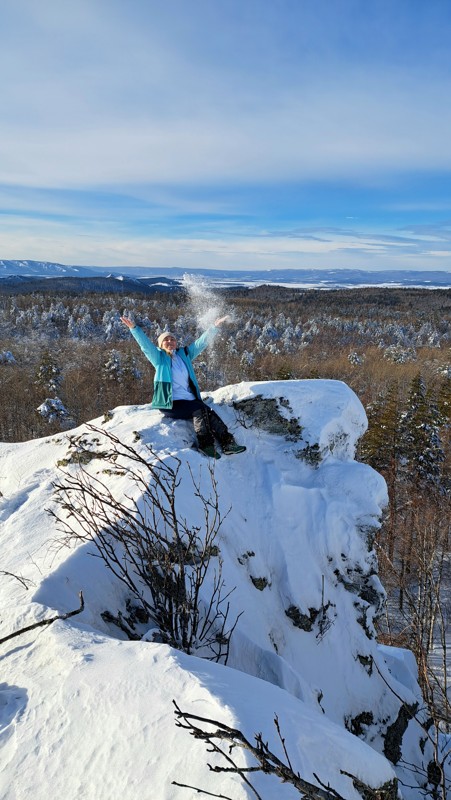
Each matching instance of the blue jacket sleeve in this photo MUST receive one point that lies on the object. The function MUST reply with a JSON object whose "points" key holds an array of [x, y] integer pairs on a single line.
{"points": [[202, 342], [150, 350]]}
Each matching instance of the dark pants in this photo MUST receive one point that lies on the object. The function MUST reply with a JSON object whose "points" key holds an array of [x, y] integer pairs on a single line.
{"points": [[207, 424]]}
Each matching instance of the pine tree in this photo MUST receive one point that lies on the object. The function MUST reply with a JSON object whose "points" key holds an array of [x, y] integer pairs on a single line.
{"points": [[130, 371], [444, 400], [380, 446], [444, 407], [381, 449], [422, 451], [49, 374], [53, 410], [112, 369]]}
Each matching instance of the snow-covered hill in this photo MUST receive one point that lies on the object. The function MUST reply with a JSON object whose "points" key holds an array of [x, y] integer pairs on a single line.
{"points": [[43, 269], [305, 278], [86, 714]]}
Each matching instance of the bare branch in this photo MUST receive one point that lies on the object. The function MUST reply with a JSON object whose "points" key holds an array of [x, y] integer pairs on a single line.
{"points": [[201, 791], [45, 621], [267, 762], [24, 581]]}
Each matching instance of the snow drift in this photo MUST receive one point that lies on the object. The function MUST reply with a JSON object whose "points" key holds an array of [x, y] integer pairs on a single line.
{"points": [[86, 713]]}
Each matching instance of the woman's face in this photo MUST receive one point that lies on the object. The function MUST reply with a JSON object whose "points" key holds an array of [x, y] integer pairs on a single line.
{"points": [[169, 344]]}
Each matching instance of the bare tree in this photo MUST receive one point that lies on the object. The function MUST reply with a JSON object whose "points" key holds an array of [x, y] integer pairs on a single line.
{"points": [[157, 553], [435, 780], [214, 733], [422, 622]]}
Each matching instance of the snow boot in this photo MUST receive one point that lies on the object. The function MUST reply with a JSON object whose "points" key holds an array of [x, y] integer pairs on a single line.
{"points": [[210, 451], [231, 448]]}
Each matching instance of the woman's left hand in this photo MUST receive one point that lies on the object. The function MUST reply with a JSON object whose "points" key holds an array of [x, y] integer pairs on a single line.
{"points": [[220, 321]]}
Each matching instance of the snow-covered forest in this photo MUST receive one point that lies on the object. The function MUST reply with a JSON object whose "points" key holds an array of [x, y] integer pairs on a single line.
{"points": [[75, 348]]}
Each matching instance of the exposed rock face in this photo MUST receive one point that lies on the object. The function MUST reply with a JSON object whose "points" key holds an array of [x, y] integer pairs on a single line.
{"points": [[336, 586]]}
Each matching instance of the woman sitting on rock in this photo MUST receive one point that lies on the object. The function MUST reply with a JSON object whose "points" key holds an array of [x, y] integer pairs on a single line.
{"points": [[176, 391]]}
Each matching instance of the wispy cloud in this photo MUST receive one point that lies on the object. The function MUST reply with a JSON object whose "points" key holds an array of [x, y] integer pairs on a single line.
{"points": [[100, 245], [213, 123], [94, 99], [349, 132]]}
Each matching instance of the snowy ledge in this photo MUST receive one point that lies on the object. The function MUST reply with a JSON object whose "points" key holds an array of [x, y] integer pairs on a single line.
{"points": [[325, 413]]}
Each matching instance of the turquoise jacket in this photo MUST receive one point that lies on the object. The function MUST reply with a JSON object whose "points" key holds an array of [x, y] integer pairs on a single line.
{"points": [[162, 386]]}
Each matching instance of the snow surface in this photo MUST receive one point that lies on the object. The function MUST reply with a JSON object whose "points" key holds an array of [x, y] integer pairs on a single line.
{"points": [[87, 715]]}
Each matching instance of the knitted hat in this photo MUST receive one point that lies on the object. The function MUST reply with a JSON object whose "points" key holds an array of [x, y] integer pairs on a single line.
{"points": [[163, 336]]}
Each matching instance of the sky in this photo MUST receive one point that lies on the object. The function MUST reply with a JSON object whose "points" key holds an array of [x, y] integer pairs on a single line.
{"points": [[232, 134]]}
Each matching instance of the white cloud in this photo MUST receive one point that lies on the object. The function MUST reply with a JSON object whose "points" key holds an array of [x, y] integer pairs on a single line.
{"points": [[104, 246], [96, 95], [295, 140]]}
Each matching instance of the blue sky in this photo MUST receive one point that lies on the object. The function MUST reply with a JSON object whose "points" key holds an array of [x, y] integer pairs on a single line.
{"points": [[226, 133]]}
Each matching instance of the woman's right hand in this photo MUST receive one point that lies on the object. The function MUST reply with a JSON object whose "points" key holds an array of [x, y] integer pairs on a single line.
{"points": [[128, 322]]}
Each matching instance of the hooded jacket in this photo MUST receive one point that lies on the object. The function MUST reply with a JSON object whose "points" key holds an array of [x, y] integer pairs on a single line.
{"points": [[162, 386]]}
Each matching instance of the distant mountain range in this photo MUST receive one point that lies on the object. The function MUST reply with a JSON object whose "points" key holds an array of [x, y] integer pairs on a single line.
{"points": [[44, 269], [19, 277], [123, 279]]}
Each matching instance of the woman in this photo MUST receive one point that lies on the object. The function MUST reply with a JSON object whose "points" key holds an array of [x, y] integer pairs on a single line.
{"points": [[176, 391]]}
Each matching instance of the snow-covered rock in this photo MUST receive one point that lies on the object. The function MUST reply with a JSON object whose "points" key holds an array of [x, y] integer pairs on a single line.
{"points": [[87, 714]]}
